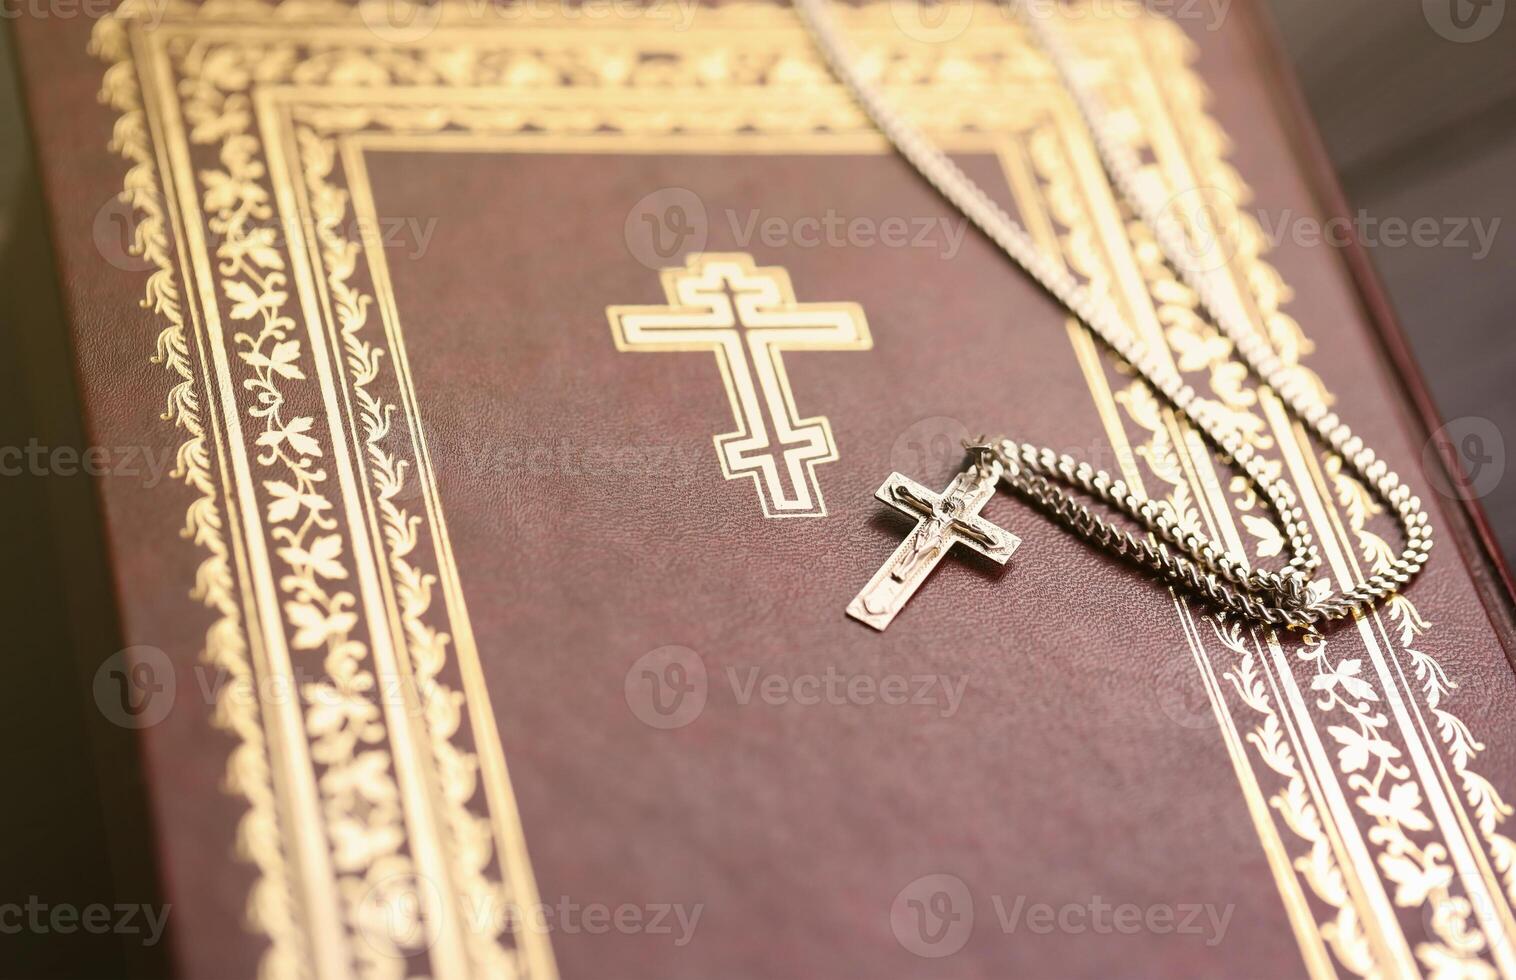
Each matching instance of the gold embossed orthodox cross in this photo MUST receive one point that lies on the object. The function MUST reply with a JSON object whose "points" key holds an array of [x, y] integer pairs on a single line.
{"points": [[941, 522], [748, 317]]}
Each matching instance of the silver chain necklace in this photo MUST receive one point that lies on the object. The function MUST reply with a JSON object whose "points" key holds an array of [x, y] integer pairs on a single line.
{"points": [[1175, 552]]}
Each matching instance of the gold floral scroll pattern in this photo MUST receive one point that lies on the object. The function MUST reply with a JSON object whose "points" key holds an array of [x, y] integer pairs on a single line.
{"points": [[1420, 870], [1448, 914], [1421, 873], [1318, 867], [1198, 347], [427, 645], [1176, 309], [349, 739], [317, 605], [270, 908], [1489, 808]]}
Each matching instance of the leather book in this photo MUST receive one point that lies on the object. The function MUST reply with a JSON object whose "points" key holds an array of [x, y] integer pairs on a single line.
{"points": [[526, 374]]}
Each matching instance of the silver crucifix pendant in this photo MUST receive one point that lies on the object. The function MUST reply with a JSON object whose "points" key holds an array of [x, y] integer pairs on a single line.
{"points": [[941, 522]]}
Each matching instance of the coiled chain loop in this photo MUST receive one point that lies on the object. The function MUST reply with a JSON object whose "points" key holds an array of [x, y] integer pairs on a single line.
{"points": [[1175, 552]]}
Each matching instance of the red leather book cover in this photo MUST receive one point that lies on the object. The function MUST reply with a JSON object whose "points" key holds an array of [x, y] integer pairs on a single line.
{"points": [[528, 373]]}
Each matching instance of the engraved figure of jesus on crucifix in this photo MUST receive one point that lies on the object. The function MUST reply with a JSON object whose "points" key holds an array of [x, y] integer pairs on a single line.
{"points": [[942, 520]]}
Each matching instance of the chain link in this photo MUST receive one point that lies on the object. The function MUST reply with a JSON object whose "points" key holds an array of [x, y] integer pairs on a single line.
{"points": [[1173, 551]]}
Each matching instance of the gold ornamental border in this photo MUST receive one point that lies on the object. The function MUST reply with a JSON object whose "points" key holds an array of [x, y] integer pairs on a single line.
{"points": [[323, 539]]}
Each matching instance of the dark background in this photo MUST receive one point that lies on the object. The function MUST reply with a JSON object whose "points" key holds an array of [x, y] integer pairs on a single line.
{"points": [[1418, 122], [1419, 125]]}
